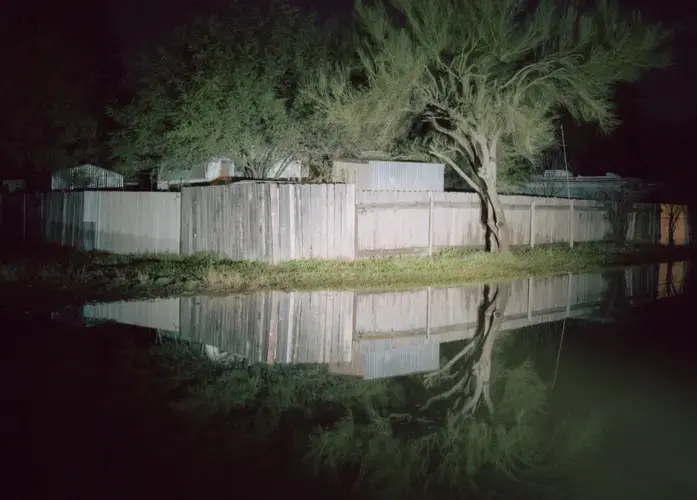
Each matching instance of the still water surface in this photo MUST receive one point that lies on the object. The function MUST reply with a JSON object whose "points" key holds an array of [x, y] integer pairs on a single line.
{"points": [[573, 386]]}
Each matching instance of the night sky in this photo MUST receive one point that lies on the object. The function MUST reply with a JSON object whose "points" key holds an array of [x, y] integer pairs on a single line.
{"points": [[659, 114]]}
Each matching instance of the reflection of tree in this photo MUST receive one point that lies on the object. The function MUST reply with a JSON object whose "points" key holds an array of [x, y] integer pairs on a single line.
{"points": [[673, 214], [471, 367], [620, 204], [477, 418]]}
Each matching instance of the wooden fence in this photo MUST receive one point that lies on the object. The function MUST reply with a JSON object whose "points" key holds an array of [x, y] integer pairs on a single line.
{"points": [[270, 222], [274, 222], [422, 223], [279, 222]]}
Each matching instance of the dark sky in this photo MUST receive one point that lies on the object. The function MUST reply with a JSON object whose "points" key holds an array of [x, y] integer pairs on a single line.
{"points": [[664, 103]]}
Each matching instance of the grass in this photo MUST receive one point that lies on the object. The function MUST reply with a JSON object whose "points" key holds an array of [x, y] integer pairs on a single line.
{"points": [[168, 273]]}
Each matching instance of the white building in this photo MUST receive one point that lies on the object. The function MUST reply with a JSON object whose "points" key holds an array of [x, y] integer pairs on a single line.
{"points": [[221, 168]]}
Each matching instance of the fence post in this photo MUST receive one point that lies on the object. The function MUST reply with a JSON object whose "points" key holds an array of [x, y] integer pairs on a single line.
{"points": [[275, 226], [428, 314], [568, 294], [571, 223], [430, 223], [532, 223]]}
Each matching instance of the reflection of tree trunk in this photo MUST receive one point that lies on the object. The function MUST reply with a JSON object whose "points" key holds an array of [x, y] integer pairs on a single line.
{"points": [[474, 374], [670, 289], [672, 222]]}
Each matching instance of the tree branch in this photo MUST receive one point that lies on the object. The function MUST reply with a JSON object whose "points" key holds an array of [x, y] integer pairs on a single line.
{"points": [[456, 167]]}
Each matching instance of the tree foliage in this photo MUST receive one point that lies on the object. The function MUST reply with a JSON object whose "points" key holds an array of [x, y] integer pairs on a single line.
{"points": [[486, 79], [227, 87]]}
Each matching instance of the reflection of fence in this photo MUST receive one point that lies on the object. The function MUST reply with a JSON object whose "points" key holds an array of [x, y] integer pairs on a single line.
{"points": [[371, 334], [674, 225], [274, 222]]}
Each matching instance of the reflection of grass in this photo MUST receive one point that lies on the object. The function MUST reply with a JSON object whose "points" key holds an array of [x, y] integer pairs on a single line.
{"points": [[208, 272]]}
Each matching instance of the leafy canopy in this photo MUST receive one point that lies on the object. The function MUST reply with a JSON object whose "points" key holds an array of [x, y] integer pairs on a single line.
{"points": [[487, 78], [226, 87]]}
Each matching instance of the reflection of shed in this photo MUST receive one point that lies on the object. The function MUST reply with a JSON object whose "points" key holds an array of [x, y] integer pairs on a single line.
{"points": [[382, 358], [369, 175]]}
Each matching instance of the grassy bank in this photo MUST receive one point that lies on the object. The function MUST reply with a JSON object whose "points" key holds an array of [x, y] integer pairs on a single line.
{"points": [[163, 273]]}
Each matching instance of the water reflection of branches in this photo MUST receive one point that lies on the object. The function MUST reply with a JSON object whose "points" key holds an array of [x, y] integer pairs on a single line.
{"points": [[475, 372], [478, 415]]}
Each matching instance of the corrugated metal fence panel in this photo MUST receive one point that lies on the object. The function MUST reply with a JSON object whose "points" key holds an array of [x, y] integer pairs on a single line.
{"points": [[137, 222], [61, 216], [402, 176], [162, 314], [387, 359]]}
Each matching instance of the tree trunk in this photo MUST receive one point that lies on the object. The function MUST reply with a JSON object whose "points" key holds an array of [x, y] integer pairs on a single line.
{"points": [[496, 217]]}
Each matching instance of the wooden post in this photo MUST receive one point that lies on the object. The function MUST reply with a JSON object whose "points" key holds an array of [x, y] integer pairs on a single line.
{"points": [[290, 333], [292, 230], [428, 314], [430, 223], [532, 223], [571, 223], [275, 229], [356, 227], [568, 294]]}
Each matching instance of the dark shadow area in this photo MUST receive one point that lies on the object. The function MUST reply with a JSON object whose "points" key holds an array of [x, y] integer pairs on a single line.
{"points": [[109, 413]]}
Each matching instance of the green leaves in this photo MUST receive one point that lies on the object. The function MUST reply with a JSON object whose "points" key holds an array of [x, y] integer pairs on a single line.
{"points": [[225, 87], [494, 75]]}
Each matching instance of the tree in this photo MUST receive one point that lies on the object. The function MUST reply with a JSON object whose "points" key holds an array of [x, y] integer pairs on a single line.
{"points": [[486, 80], [227, 87]]}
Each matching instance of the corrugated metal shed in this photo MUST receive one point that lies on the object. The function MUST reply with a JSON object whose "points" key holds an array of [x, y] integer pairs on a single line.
{"points": [[378, 175], [85, 177]]}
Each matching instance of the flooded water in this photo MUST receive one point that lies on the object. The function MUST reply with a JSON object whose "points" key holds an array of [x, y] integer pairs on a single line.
{"points": [[574, 386]]}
